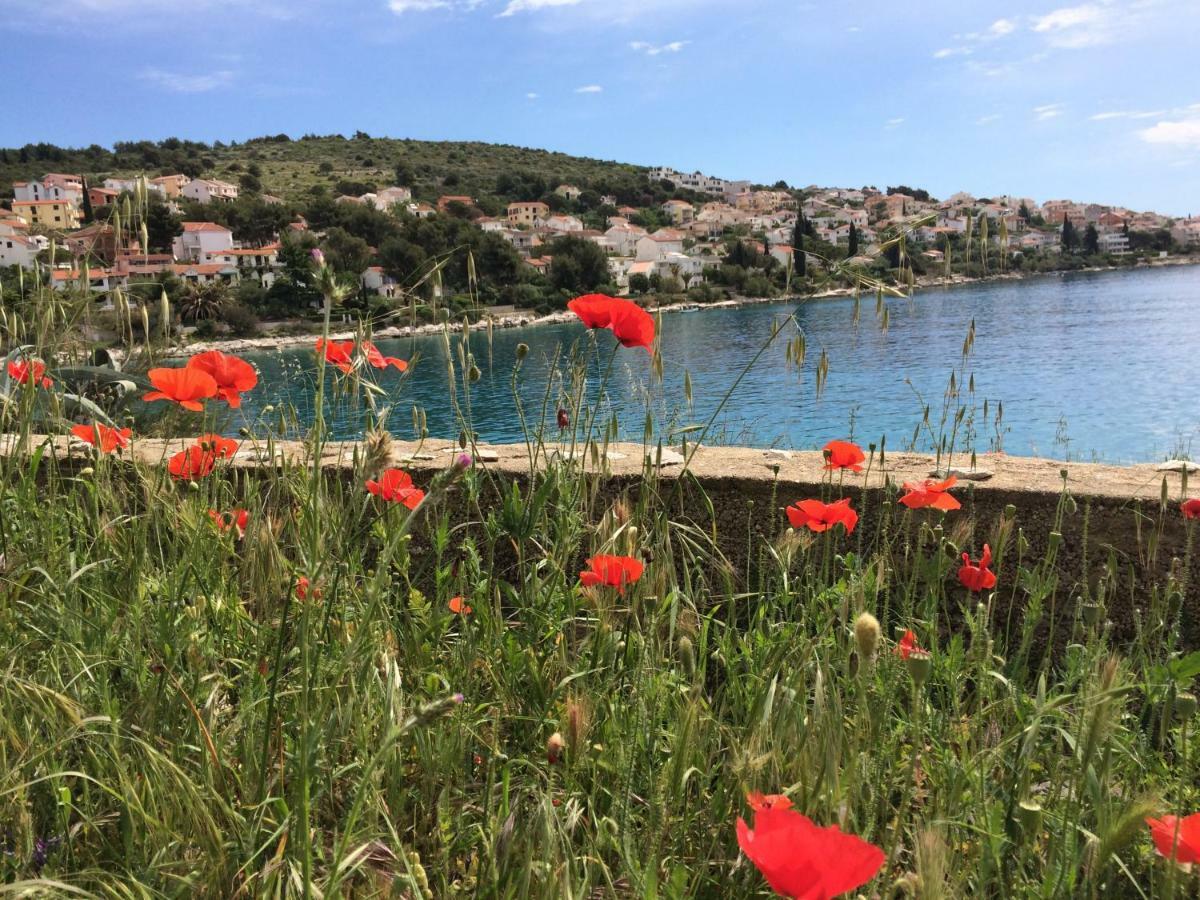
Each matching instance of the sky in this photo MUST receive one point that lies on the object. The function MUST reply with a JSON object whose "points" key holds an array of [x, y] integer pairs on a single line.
{"points": [[1097, 101]]}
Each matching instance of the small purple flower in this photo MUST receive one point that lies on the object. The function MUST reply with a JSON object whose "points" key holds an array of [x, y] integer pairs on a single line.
{"points": [[42, 848], [318, 257], [464, 461], [457, 698]]}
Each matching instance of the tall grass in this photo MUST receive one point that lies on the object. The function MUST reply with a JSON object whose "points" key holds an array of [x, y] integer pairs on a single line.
{"points": [[175, 721]]}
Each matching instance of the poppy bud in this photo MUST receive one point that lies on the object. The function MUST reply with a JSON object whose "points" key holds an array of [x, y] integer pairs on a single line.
{"points": [[1174, 603], [1185, 706], [462, 440], [919, 664], [866, 637], [87, 472], [522, 350], [1010, 511], [1029, 816], [473, 374], [1055, 540], [192, 486], [244, 431], [554, 748]]}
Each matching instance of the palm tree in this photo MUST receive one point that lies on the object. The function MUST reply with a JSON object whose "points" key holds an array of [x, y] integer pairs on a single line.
{"points": [[203, 301]]}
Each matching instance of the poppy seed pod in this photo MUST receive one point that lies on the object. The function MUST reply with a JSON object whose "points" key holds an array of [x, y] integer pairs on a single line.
{"points": [[1185, 706], [554, 748], [1029, 816], [866, 636], [919, 663], [1091, 613]]}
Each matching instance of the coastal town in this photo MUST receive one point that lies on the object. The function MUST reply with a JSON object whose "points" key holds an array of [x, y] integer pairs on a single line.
{"points": [[700, 236]]}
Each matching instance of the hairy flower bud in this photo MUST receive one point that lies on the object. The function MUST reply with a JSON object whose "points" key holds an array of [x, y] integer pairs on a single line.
{"points": [[866, 637], [554, 748]]}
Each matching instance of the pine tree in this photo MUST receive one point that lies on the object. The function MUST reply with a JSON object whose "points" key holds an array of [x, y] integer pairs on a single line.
{"points": [[852, 249]]}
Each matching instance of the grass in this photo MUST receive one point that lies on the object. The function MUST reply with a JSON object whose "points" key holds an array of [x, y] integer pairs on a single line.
{"points": [[176, 722]]}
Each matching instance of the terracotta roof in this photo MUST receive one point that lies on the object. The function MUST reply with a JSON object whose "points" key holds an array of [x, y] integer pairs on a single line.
{"points": [[203, 226]]}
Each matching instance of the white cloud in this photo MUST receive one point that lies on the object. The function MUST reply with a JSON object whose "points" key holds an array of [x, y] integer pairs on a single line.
{"points": [[589, 89], [516, 6], [988, 119], [655, 49], [1127, 114], [1073, 27], [179, 83], [1182, 133], [532, 95], [947, 52], [1001, 27], [1048, 111], [894, 123]]}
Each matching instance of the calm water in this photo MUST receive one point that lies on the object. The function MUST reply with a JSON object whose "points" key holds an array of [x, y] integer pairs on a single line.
{"points": [[1086, 366]]}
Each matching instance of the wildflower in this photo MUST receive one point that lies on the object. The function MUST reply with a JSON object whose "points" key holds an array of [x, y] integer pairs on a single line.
{"points": [[801, 859], [187, 387], [818, 516], [304, 589], [908, 645], [594, 310], [231, 519], [232, 375], [759, 801], [29, 371], [929, 493], [337, 353], [200, 459], [379, 361], [1190, 509], [102, 437], [843, 455], [396, 486], [460, 607], [1177, 839], [977, 577], [612, 571], [317, 256], [554, 748], [564, 421]]}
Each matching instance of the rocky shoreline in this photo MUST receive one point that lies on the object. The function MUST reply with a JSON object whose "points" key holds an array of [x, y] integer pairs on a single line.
{"points": [[522, 319]]}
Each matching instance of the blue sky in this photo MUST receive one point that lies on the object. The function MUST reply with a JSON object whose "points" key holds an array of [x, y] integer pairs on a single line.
{"points": [[1095, 101]]}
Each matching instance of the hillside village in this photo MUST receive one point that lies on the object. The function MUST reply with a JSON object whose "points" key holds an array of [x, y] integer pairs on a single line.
{"points": [[685, 233]]}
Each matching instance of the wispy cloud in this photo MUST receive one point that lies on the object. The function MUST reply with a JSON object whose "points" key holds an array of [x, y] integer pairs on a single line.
{"points": [[1183, 133], [180, 83], [947, 52], [1001, 28], [988, 119], [1072, 27], [589, 89], [517, 6], [1127, 114], [532, 95], [1048, 111], [656, 49], [400, 7], [894, 123]]}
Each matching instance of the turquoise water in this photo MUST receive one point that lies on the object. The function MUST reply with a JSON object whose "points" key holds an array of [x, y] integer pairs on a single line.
{"points": [[1086, 366]]}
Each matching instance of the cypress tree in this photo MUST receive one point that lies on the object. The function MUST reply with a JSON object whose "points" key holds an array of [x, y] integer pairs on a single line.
{"points": [[799, 260], [1070, 237], [852, 249]]}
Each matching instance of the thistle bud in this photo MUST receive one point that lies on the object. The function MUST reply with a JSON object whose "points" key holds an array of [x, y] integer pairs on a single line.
{"points": [[463, 461], [522, 350], [1185, 706], [919, 663], [318, 257], [1029, 816], [866, 637], [554, 748], [687, 656]]}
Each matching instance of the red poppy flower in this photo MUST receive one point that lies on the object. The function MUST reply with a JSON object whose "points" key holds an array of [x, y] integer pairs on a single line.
{"points": [[594, 310], [633, 326], [843, 455], [379, 361], [611, 571], [232, 375], [396, 486], [908, 645], [1190, 509], [1177, 839], [29, 371], [934, 494], [187, 387], [759, 801], [818, 516], [103, 438], [337, 353], [192, 463], [221, 447], [803, 860], [233, 518], [460, 607], [564, 421], [977, 577], [304, 589]]}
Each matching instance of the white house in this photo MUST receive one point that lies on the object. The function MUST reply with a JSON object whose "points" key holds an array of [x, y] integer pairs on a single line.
{"points": [[62, 188], [563, 224], [375, 280], [202, 239], [1114, 242], [569, 191], [17, 250], [658, 245], [206, 190], [680, 212], [622, 239]]}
